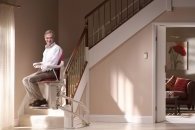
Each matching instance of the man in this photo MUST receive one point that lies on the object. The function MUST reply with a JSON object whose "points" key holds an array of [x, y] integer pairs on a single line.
{"points": [[51, 57]]}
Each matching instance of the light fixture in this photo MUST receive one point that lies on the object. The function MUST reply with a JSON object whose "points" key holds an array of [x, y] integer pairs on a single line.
{"points": [[175, 36]]}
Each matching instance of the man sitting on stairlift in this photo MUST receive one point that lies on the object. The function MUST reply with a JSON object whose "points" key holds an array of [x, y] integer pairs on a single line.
{"points": [[51, 58]]}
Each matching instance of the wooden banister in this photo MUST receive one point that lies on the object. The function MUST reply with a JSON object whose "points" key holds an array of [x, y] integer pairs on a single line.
{"points": [[101, 4], [109, 15], [76, 65], [75, 49], [100, 22]]}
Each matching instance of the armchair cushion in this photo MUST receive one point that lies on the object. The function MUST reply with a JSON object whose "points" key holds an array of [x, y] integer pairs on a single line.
{"points": [[184, 89], [180, 84]]}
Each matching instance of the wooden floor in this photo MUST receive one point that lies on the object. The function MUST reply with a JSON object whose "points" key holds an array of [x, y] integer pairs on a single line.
{"points": [[127, 126], [178, 122]]}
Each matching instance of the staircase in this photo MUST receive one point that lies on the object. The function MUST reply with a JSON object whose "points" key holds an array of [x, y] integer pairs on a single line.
{"points": [[100, 23]]}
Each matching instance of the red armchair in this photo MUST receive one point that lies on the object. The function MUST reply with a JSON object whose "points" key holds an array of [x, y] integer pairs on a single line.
{"points": [[183, 88]]}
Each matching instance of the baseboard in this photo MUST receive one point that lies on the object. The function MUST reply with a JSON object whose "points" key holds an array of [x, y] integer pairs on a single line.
{"points": [[121, 119]]}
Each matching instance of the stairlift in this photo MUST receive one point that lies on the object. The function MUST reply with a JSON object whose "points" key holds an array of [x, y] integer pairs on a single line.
{"points": [[55, 93]]}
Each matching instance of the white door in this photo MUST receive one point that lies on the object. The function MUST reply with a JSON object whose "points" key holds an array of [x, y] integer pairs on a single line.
{"points": [[159, 85], [160, 73]]}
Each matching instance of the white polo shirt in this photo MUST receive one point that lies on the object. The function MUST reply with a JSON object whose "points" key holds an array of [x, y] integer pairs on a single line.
{"points": [[51, 56]]}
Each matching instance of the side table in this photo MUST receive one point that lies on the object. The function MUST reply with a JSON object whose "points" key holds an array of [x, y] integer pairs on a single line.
{"points": [[172, 102]]}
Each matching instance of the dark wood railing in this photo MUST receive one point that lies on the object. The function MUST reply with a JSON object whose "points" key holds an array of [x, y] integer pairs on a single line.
{"points": [[76, 65], [109, 15]]}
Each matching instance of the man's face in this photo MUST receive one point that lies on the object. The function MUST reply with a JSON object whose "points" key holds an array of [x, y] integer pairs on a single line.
{"points": [[49, 39]]}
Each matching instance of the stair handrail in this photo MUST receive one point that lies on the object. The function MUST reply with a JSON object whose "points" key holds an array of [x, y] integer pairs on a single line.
{"points": [[76, 65], [75, 49], [115, 13], [73, 72], [101, 4]]}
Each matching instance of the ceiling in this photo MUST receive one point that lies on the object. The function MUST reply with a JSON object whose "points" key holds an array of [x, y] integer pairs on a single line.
{"points": [[179, 33]]}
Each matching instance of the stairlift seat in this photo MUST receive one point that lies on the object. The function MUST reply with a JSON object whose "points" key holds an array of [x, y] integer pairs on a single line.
{"points": [[51, 87]]}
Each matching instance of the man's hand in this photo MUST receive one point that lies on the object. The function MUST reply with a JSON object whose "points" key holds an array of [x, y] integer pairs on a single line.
{"points": [[37, 65]]}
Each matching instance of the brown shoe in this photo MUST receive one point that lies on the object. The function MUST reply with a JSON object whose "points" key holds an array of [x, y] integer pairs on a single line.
{"points": [[39, 103], [30, 104]]}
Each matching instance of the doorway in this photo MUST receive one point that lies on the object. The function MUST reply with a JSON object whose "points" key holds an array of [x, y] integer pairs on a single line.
{"points": [[167, 32]]}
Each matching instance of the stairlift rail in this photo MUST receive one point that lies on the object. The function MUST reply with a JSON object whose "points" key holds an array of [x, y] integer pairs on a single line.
{"points": [[69, 109]]}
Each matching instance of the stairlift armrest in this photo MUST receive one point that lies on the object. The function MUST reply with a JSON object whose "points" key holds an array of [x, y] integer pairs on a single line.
{"points": [[37, 64], [56, 66]]}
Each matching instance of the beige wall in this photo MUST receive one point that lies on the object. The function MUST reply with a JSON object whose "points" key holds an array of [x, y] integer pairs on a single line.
{"points": [[178, 15], [121, 83], [31, 20]]}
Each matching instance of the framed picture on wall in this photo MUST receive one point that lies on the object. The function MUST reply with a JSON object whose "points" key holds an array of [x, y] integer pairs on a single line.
{"points": [[177, 55]]}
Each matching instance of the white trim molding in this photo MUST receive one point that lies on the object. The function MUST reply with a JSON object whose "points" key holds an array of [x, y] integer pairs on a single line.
{"points": [[169, 5], [121, 119]]}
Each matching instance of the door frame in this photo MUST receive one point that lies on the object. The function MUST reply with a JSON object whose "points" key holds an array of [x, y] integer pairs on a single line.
{"points": [[158, 116]]}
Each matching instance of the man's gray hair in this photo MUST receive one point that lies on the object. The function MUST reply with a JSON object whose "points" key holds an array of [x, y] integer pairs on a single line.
{"points": [[50, 32]]}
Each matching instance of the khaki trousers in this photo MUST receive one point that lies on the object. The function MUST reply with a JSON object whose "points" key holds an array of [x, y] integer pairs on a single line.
{"points": [[31, 83]]}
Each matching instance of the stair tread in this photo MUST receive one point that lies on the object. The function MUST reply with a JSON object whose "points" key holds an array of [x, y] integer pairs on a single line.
{"points": [[35, 111], [43, 121], [27, 115]]}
